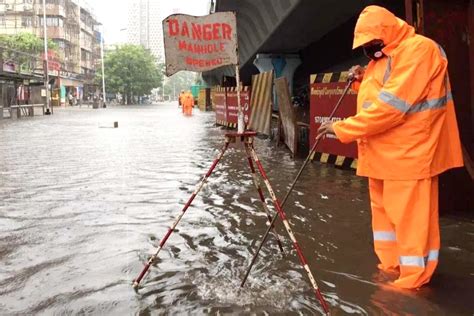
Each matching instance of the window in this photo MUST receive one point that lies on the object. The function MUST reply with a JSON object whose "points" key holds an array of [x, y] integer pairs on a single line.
{"points": [[2, 20], [52, 21], [26, 21]]}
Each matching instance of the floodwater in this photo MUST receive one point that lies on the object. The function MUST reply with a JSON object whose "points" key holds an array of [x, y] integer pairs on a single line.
{"points": [[82, 206]]}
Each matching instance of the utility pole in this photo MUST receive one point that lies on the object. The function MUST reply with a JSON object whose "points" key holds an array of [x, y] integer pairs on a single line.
{"points": [[46, 65], [103, 72], [163, 90]]}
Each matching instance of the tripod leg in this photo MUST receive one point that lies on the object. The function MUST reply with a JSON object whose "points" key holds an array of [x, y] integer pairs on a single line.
{"points": [[136, 282], [248, 144], [283, 217]]}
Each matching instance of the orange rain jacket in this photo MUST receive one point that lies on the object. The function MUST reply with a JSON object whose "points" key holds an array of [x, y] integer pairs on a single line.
{"points": [[406, 125]]}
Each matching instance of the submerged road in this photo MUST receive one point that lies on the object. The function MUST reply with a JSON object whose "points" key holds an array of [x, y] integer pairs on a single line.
{"points": [[82, 206]]}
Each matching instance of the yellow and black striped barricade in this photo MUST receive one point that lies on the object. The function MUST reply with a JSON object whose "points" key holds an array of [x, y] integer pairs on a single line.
{"points": [[326, 89]]}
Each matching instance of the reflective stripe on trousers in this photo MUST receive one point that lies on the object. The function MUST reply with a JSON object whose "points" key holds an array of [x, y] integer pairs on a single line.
{"points": [[416, 261]]}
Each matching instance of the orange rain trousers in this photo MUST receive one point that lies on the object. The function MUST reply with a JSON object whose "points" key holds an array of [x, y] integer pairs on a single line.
{"points": [[405, 227]]}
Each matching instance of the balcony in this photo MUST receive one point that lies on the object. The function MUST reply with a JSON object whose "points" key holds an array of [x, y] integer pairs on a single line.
{"points": [[56, 32], [51, 9], [86, 45], [87, 28], [87, 64]]}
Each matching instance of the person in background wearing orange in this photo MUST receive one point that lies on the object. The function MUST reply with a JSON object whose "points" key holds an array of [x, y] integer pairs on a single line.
{"points": [[407, 135], [180, 100], [188, 103]]}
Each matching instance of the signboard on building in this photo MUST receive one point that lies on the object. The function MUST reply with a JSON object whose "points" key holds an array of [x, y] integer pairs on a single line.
{"points": [[9, 67], [326, 89], [200, 43], [53, 61]]}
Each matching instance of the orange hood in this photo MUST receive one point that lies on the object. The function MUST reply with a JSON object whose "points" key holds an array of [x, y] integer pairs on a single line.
{"points": [[378, 23]]}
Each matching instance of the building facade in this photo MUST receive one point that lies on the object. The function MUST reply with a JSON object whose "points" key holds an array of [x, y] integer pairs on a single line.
{"points": [[145, 27], [70, 24]]}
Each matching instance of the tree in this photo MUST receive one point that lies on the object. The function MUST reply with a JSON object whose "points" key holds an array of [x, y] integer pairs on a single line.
{"points": [[26, 43], [182, 80], [130, 70], [21, 46]]}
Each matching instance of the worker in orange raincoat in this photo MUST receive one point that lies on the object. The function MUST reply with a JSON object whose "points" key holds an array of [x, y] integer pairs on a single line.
{"points": [[188, 103], [180, 102], [407, 135]]}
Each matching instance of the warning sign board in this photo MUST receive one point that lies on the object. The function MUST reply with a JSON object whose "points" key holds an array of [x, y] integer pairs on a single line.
{"points": [[200, 43], [232, 105], [326, 89]]}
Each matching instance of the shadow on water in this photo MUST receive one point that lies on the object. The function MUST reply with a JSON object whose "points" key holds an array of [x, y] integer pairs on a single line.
{"points": [[82, 207]]}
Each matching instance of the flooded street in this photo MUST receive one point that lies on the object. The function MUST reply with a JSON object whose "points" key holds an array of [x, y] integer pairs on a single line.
{"points": [[83, 205]]}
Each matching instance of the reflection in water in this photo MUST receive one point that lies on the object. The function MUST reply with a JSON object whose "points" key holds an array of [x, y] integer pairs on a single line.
{"points": [[82, 207]]}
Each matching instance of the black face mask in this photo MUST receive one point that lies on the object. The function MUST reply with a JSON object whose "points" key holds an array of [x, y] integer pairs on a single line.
{"points": [[374, 51]]}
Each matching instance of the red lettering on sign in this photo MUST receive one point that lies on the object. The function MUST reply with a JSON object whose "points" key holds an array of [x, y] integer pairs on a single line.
{"points": [[182, 45], [173, 27], [207, 30], [203, 62], [215, 31], [184, 29], [190, 48], [226, 31], [201, 49], [197, 31]]}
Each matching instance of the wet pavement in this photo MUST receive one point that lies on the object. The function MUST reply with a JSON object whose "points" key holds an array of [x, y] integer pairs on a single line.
{"points": [[82, 206]]}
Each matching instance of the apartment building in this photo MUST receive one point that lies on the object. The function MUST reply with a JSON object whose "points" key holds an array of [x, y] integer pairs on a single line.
{"points": [[72, 25], [145, 26]]}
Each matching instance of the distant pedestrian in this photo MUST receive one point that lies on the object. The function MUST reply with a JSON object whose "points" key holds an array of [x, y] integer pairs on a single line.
{"points": [[70, 98], [180, 101], [188, 103]]}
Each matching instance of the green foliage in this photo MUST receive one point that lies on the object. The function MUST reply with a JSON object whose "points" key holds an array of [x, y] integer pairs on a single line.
{"points": [[182, 80], [18, 48], [131, 70], [26, 43]]}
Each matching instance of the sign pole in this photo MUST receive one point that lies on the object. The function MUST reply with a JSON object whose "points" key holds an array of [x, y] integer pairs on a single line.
{"points": [[46, 68], [240, 115]]}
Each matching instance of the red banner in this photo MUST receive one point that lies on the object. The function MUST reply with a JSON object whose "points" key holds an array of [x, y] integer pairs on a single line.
{"points": [[53, 60], [324, 97], [220, 104], [233, 107]]}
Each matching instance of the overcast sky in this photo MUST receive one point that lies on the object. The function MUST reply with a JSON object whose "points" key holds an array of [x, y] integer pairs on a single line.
{"points": [[113, 14]]}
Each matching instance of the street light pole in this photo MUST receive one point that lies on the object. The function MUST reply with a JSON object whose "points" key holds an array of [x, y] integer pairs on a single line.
{"points": [[103, 72], [46, 65]]}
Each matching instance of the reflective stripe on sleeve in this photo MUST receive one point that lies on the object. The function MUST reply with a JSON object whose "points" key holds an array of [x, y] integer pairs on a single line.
{"points": [[366, 104], [384, 235], [404, 107], [394, 101]]}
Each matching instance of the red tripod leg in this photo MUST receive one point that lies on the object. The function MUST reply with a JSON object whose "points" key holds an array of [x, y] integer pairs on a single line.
{"points": [[256, 182], [283, 217], [152, 259]]}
